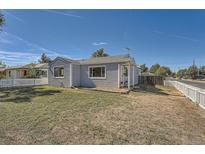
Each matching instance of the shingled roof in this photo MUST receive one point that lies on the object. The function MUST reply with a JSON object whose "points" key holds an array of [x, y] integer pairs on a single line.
{"points": [[99, 60], [104, 60], [2, 69], [37, 66]]}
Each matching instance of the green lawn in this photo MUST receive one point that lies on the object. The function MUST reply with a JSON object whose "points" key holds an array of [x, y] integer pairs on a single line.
{"points": [[53, 115]]}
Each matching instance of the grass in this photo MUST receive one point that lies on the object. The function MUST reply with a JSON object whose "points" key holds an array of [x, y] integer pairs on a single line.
{"points": [[157, 90], [53, 115]]}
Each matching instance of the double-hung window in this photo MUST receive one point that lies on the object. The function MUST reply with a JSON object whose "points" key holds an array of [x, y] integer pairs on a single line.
{"points": [[58, 72], [97, 72]]}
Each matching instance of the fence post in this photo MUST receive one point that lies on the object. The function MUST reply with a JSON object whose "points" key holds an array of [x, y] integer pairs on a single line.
{"points": [[195, 96]]}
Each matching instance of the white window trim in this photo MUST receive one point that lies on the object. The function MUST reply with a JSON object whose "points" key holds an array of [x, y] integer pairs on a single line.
{"points": [[71, 74], [102, 78], [60, 76]]}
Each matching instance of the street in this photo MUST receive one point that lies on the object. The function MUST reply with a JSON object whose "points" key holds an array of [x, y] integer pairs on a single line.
{"points": [[199, 84]]}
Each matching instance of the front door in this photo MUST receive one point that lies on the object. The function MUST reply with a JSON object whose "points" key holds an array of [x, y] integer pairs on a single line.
{"points": [[124, 76]]}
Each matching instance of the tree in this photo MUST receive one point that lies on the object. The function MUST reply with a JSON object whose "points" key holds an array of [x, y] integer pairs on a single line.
{"points": [[154, 68], [168, 70], [31, 71], [144, 68], [173, 74], [99, 53], [2, 20], [192, 71], [163, 71], [202, 70], [44, 59], [2, 64], [181, 73]]}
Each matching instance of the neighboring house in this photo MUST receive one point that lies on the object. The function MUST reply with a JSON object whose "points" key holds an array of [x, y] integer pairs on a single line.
{"points": [[2, 72], [147, 74], [22, 71], [106, 72]]}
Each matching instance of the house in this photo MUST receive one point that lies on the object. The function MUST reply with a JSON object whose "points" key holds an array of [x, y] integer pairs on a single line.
{"points": [[2, 72], [147, 74], [104, 72], [41, 70]]}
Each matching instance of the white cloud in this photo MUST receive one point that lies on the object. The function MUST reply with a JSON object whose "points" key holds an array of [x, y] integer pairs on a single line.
{"points": [[31, 51], [16, 54], [16, 58], [5, 41], [99, 43], [63, 13], [176, 36], [30, 45], [13, 16], [184, 37]]}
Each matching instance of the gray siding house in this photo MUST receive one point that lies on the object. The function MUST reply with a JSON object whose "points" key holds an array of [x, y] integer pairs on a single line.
{"points": [[102, 72]]}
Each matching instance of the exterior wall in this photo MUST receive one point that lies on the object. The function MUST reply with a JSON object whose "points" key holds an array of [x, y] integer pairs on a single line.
{"points": [[2, 74], [136, 74], [76, 75], [65, 81], [80, 75], [13, 74], [110, 81], [46, 72], [131, 75]]}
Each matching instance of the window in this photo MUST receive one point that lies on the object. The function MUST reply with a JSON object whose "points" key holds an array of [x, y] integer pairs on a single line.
{"points": [[58, 72], [44, 73], [41, 73], [125, 71], [9, 73], [24, 73], [98, 72]]}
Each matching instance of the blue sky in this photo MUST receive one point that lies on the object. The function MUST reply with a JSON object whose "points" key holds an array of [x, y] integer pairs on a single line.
{"points": [[168, 37]]}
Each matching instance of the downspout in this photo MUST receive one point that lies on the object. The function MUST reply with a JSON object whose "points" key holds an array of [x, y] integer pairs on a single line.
{"points": [[129, 76], [118, 75], [133, 75], [71, 75]]}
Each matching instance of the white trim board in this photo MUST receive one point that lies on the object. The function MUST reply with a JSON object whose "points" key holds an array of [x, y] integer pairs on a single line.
{"points": [[71, 74], [63, 72], [97, 78]]}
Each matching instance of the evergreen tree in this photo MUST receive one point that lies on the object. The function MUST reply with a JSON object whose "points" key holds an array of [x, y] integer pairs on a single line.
{"points": [[154, 68], [2, 20], [44, 59], [99, 53]]}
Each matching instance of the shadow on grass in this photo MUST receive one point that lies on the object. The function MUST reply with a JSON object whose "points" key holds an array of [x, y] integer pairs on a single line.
{"points": [[24, 94], [150, 89]]}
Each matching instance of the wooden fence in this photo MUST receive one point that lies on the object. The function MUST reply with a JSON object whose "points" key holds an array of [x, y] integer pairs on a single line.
{"points": [[197, 95], [22, 82], [151, 80]]}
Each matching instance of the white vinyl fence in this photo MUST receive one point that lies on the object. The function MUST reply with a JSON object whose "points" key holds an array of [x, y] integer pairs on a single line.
{"points": [[22, 82], [197, 95]]}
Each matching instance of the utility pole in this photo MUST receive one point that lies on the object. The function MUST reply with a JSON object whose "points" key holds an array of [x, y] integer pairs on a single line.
{"points": [[198, 72], [197, 69], [128, 50], [193, 69]]}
